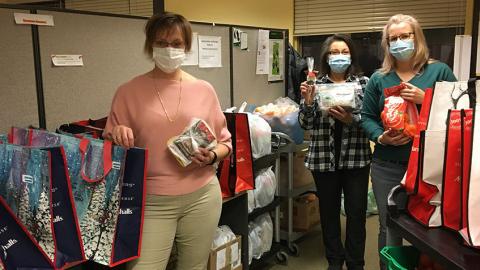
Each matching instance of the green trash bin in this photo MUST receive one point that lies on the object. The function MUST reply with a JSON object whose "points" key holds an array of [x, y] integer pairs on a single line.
{"points": [[400, 258]]}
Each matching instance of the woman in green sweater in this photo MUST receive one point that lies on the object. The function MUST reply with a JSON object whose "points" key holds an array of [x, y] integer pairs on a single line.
{"points": [[406, 60]]}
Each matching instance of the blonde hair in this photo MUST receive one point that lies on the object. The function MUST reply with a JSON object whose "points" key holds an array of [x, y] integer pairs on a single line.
{"points": [[420, 55]]}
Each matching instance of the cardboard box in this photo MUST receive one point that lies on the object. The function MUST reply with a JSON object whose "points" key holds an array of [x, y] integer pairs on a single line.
{"points": [[306, 213], [301, 175], [227, 257]]}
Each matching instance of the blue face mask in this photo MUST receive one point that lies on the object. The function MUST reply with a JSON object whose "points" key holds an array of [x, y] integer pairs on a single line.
{"points": [[402, 50], [339, 63]]}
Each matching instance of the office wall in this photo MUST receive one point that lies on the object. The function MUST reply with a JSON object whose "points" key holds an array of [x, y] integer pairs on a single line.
{"points": [[265, 13]]}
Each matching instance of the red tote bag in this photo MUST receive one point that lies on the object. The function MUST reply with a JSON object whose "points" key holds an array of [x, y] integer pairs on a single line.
{"points": [[235, 173]]}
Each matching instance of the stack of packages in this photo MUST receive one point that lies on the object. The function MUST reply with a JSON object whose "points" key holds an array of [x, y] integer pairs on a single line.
{"points": [[441, 180], [66, 199]]}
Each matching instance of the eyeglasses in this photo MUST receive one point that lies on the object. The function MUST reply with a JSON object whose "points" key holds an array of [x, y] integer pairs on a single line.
{"points": [[402, 37], [338, 53], [175, 44]]}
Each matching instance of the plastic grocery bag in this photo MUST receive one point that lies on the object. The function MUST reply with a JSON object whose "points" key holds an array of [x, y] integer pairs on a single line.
{"points": [[223, 235], [265, 186], [260, 235], [260, 136], [282, 116]]}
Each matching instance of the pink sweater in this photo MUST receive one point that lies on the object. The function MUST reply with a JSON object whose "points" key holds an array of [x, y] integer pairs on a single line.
{"points": [[136, 105]]}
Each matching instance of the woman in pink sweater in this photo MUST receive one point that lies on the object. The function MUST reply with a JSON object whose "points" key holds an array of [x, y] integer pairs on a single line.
{"points": [[183, 203]]}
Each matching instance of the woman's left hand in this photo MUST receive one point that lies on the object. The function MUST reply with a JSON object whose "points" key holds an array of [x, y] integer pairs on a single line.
{"points": [[339, 113], [412, 93], [203, 157]]}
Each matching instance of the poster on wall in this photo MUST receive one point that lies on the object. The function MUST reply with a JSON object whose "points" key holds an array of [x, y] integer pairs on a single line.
{"points": [[262, 52], [276, 56], [209, 51], [191, 58]]}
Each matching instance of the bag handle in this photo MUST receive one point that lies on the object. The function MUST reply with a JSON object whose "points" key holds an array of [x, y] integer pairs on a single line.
{"points": [[107, 159]]}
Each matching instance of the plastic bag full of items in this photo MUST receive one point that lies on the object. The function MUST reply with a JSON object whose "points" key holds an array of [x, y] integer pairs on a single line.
{"points": [[336, 94], [223, 235], [282, 116], [260, 235], [197, 134], [260, 136], [264, 192]]}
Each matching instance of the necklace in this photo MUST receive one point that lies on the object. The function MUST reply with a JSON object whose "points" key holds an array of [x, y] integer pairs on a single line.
{"points": [[161, 101]]}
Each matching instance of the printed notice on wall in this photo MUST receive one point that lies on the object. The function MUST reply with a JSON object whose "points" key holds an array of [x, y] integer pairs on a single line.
{"points": [[35, 19], [262, 52], [276, 56], [67, 60], [191, 58], [209, 51]]}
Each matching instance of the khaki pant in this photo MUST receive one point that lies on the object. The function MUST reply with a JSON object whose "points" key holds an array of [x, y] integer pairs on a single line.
{"points": [[190, 220]]}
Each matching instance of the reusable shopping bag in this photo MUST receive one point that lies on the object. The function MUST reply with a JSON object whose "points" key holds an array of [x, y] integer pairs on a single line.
{"points": [[410, 181], [425, 206], [235, 172], [16, 241], [96, 171], [35, 185], [471, 228]]}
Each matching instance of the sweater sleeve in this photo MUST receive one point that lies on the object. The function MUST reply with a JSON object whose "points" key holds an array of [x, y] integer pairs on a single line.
{"points": [[218, 121], [370, 113], [118, 114]]}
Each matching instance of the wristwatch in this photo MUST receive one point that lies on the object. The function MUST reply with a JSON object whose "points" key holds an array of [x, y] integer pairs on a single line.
{"points": [[214, 158]]}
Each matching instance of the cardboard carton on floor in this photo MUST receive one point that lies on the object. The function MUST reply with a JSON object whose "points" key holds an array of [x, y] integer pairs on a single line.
{"points": [[306, 213], [301, 175], [227, 256]]}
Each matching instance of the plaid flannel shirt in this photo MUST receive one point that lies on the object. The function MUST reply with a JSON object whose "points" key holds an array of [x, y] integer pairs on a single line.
{"points": [[355, 149]]}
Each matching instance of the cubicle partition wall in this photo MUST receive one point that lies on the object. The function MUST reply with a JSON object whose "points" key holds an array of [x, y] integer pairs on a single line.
{"points": [[18, 95], [112, 50], [247, 85]]}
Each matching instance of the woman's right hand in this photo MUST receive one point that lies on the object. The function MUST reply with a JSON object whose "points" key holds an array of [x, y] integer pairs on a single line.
{"points": [[308, 93], [392, 137], [123, 136]]}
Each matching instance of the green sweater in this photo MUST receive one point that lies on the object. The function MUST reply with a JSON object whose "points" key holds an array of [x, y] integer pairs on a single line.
{"points": [[374, 100]]}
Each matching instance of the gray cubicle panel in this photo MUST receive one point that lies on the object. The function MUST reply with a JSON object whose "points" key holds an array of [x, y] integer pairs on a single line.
{"points": [[218, 77], [247, 85], [18, 96], [112, 49]]}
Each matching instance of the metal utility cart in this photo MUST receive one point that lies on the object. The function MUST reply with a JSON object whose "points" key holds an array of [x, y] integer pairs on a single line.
{"points": [[286, 146]]}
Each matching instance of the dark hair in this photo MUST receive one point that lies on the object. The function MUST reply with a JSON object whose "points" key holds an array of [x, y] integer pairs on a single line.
{"points": [[353, 69], [166, 22]]}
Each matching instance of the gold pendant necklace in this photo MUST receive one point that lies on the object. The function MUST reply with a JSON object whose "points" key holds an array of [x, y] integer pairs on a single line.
{"points": [[161, 101]]}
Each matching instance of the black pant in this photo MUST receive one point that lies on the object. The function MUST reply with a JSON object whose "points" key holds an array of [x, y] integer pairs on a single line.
{"points": [[354, 184]]}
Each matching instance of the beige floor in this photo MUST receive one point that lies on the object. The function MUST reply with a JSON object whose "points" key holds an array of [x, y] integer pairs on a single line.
{"points": [[312, 256]]}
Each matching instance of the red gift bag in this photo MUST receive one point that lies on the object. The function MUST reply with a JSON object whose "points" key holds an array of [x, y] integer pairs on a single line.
{"points": [[452, 172], [235, 172], [410, 181]]}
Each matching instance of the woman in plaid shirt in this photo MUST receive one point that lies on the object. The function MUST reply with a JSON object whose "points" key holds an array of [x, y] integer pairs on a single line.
{"points": [[339, 156]]}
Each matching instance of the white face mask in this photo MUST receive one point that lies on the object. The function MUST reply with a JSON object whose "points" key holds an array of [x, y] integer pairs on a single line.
{"points": [[168, 59]]}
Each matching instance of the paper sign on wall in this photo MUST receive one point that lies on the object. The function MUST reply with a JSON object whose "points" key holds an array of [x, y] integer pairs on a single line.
{"points": [[67, 60], [35, 19], [209, 51], [191, 58], [262, 52]]}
